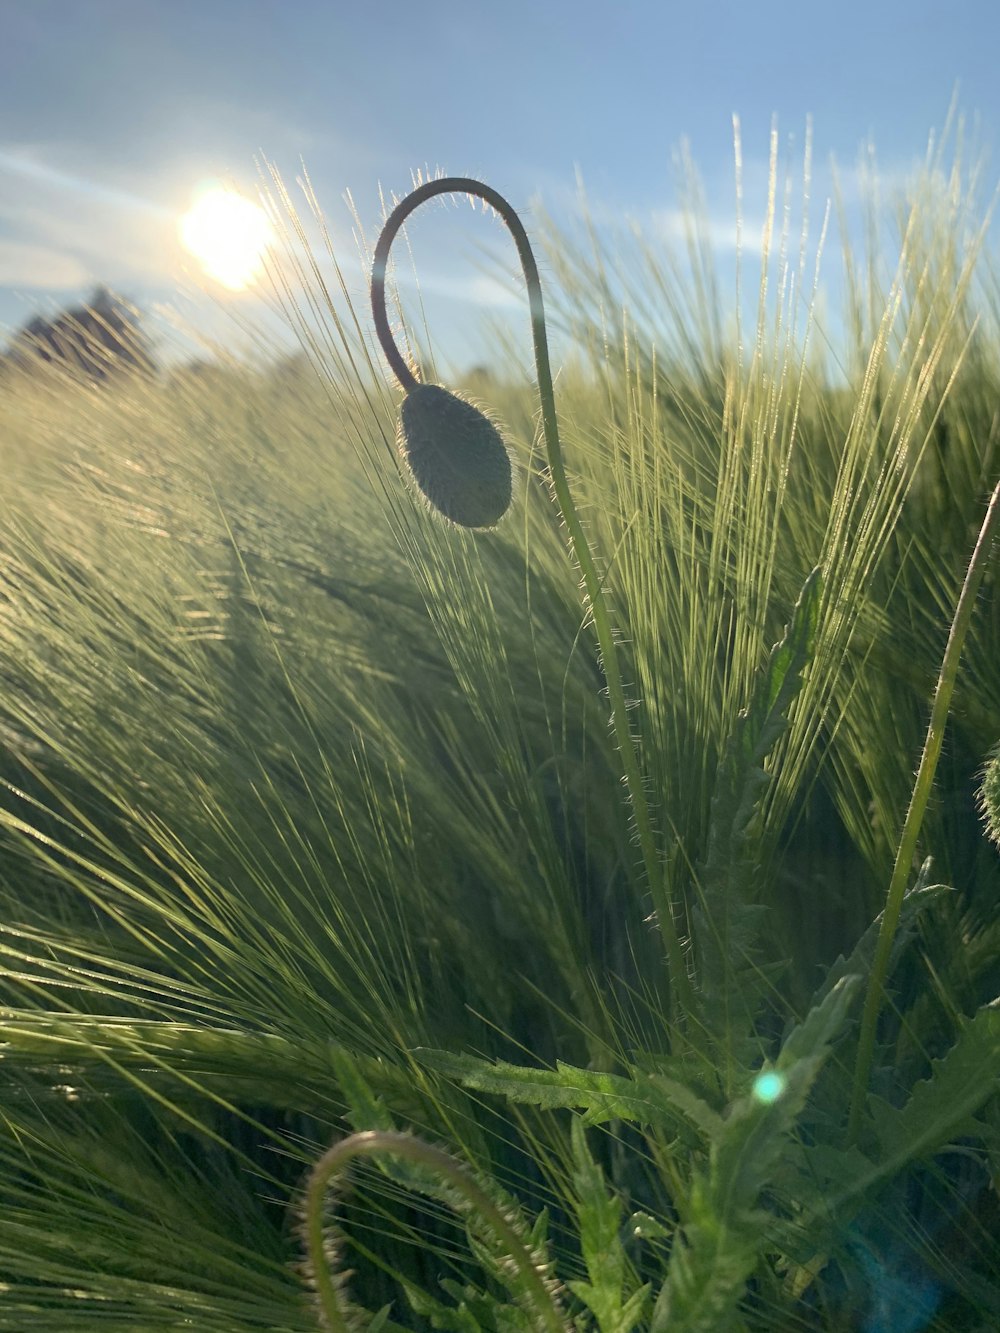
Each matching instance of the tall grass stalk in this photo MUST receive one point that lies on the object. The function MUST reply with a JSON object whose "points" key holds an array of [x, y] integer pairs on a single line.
{"points": [[923, 783]]}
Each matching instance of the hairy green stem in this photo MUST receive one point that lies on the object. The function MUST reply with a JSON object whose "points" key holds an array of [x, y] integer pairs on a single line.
{"points": [[680, 993], [368, 1144], [918, 805]]}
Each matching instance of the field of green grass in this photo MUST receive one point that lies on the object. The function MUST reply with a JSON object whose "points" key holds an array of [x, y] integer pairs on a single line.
{"points": [[314, 820]]}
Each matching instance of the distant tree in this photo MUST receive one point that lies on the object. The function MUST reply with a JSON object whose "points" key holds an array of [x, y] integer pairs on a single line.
{"points": [[99, 340]]}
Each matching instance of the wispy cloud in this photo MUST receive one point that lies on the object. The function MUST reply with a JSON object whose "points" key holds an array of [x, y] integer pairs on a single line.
{"points": [[59, 228], [677, 227], [667, 223], [474, 289], [41, 267], [29, 165]]}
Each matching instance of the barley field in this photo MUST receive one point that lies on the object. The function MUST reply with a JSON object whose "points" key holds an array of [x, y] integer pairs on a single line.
{"points": [[318, 819]]}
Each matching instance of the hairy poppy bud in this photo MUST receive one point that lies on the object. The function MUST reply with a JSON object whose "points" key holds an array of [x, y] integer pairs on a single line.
{"points": [[989, 796], [457, 456]]}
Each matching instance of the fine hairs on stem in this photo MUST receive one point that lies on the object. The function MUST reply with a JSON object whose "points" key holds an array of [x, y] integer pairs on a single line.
{"points": [[529, 1279], [423, 418], [918, 804]]}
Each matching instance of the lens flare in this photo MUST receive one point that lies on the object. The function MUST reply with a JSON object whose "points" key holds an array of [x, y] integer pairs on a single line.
{"points": [[228, 235], [768, 1087]]}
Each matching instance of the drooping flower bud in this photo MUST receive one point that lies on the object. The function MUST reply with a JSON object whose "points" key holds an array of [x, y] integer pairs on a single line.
{"points": [[456, 455]]}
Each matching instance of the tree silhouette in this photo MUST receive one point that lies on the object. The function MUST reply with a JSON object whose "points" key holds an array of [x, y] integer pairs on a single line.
{"points": [[98, 340]]}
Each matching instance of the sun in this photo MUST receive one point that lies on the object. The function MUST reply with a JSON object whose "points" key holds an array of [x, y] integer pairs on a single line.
{"points": [[228, 234]]}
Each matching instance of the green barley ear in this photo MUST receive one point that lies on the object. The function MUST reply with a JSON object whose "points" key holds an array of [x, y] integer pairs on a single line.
{"points": [[457, 456], [989, 795]]}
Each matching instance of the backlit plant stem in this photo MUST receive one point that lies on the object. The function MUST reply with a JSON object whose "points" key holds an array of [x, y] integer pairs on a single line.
{"points": [[442, 1164], [918, 805], [680, 987]]}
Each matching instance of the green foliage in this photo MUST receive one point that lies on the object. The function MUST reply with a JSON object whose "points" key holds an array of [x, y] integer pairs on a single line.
{"points": [[728, 920], [725, 1229], [262, 1068], [941, 1107], [312, 822], [840, 1188], [508, 1251], [653, 1100], [599, 1219], [919, 900]]}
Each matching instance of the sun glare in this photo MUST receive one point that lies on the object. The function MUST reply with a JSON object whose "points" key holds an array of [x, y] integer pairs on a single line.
{"points": [[228, 235]]}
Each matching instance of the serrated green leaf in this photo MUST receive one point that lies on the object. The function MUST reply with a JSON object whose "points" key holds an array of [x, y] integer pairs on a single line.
{"points": [[727, 918], [823, 1023], [859, 961], [365, 1110], [488, 1312], [707, 1275], [612, 1318], [646, 1100], [599, 1215], [634, 1312], [687, 1104], [450, 1319], [765, 718], [940, 1106], [939, 1109], [644, 1227], [725, 1229]]}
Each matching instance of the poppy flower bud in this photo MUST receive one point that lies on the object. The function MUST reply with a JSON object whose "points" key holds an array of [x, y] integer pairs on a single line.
{"points": [[989, 796], [456, 455]]}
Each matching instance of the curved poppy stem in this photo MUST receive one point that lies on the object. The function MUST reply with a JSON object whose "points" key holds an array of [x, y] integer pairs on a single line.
{"points": [[680, 993], [371, 1142]]}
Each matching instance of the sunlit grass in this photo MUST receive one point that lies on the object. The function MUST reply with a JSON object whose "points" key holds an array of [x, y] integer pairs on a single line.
{"points": [[300, 781]]}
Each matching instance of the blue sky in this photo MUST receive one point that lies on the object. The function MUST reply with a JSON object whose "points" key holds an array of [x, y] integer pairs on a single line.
{"points": [[113, 111]]}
